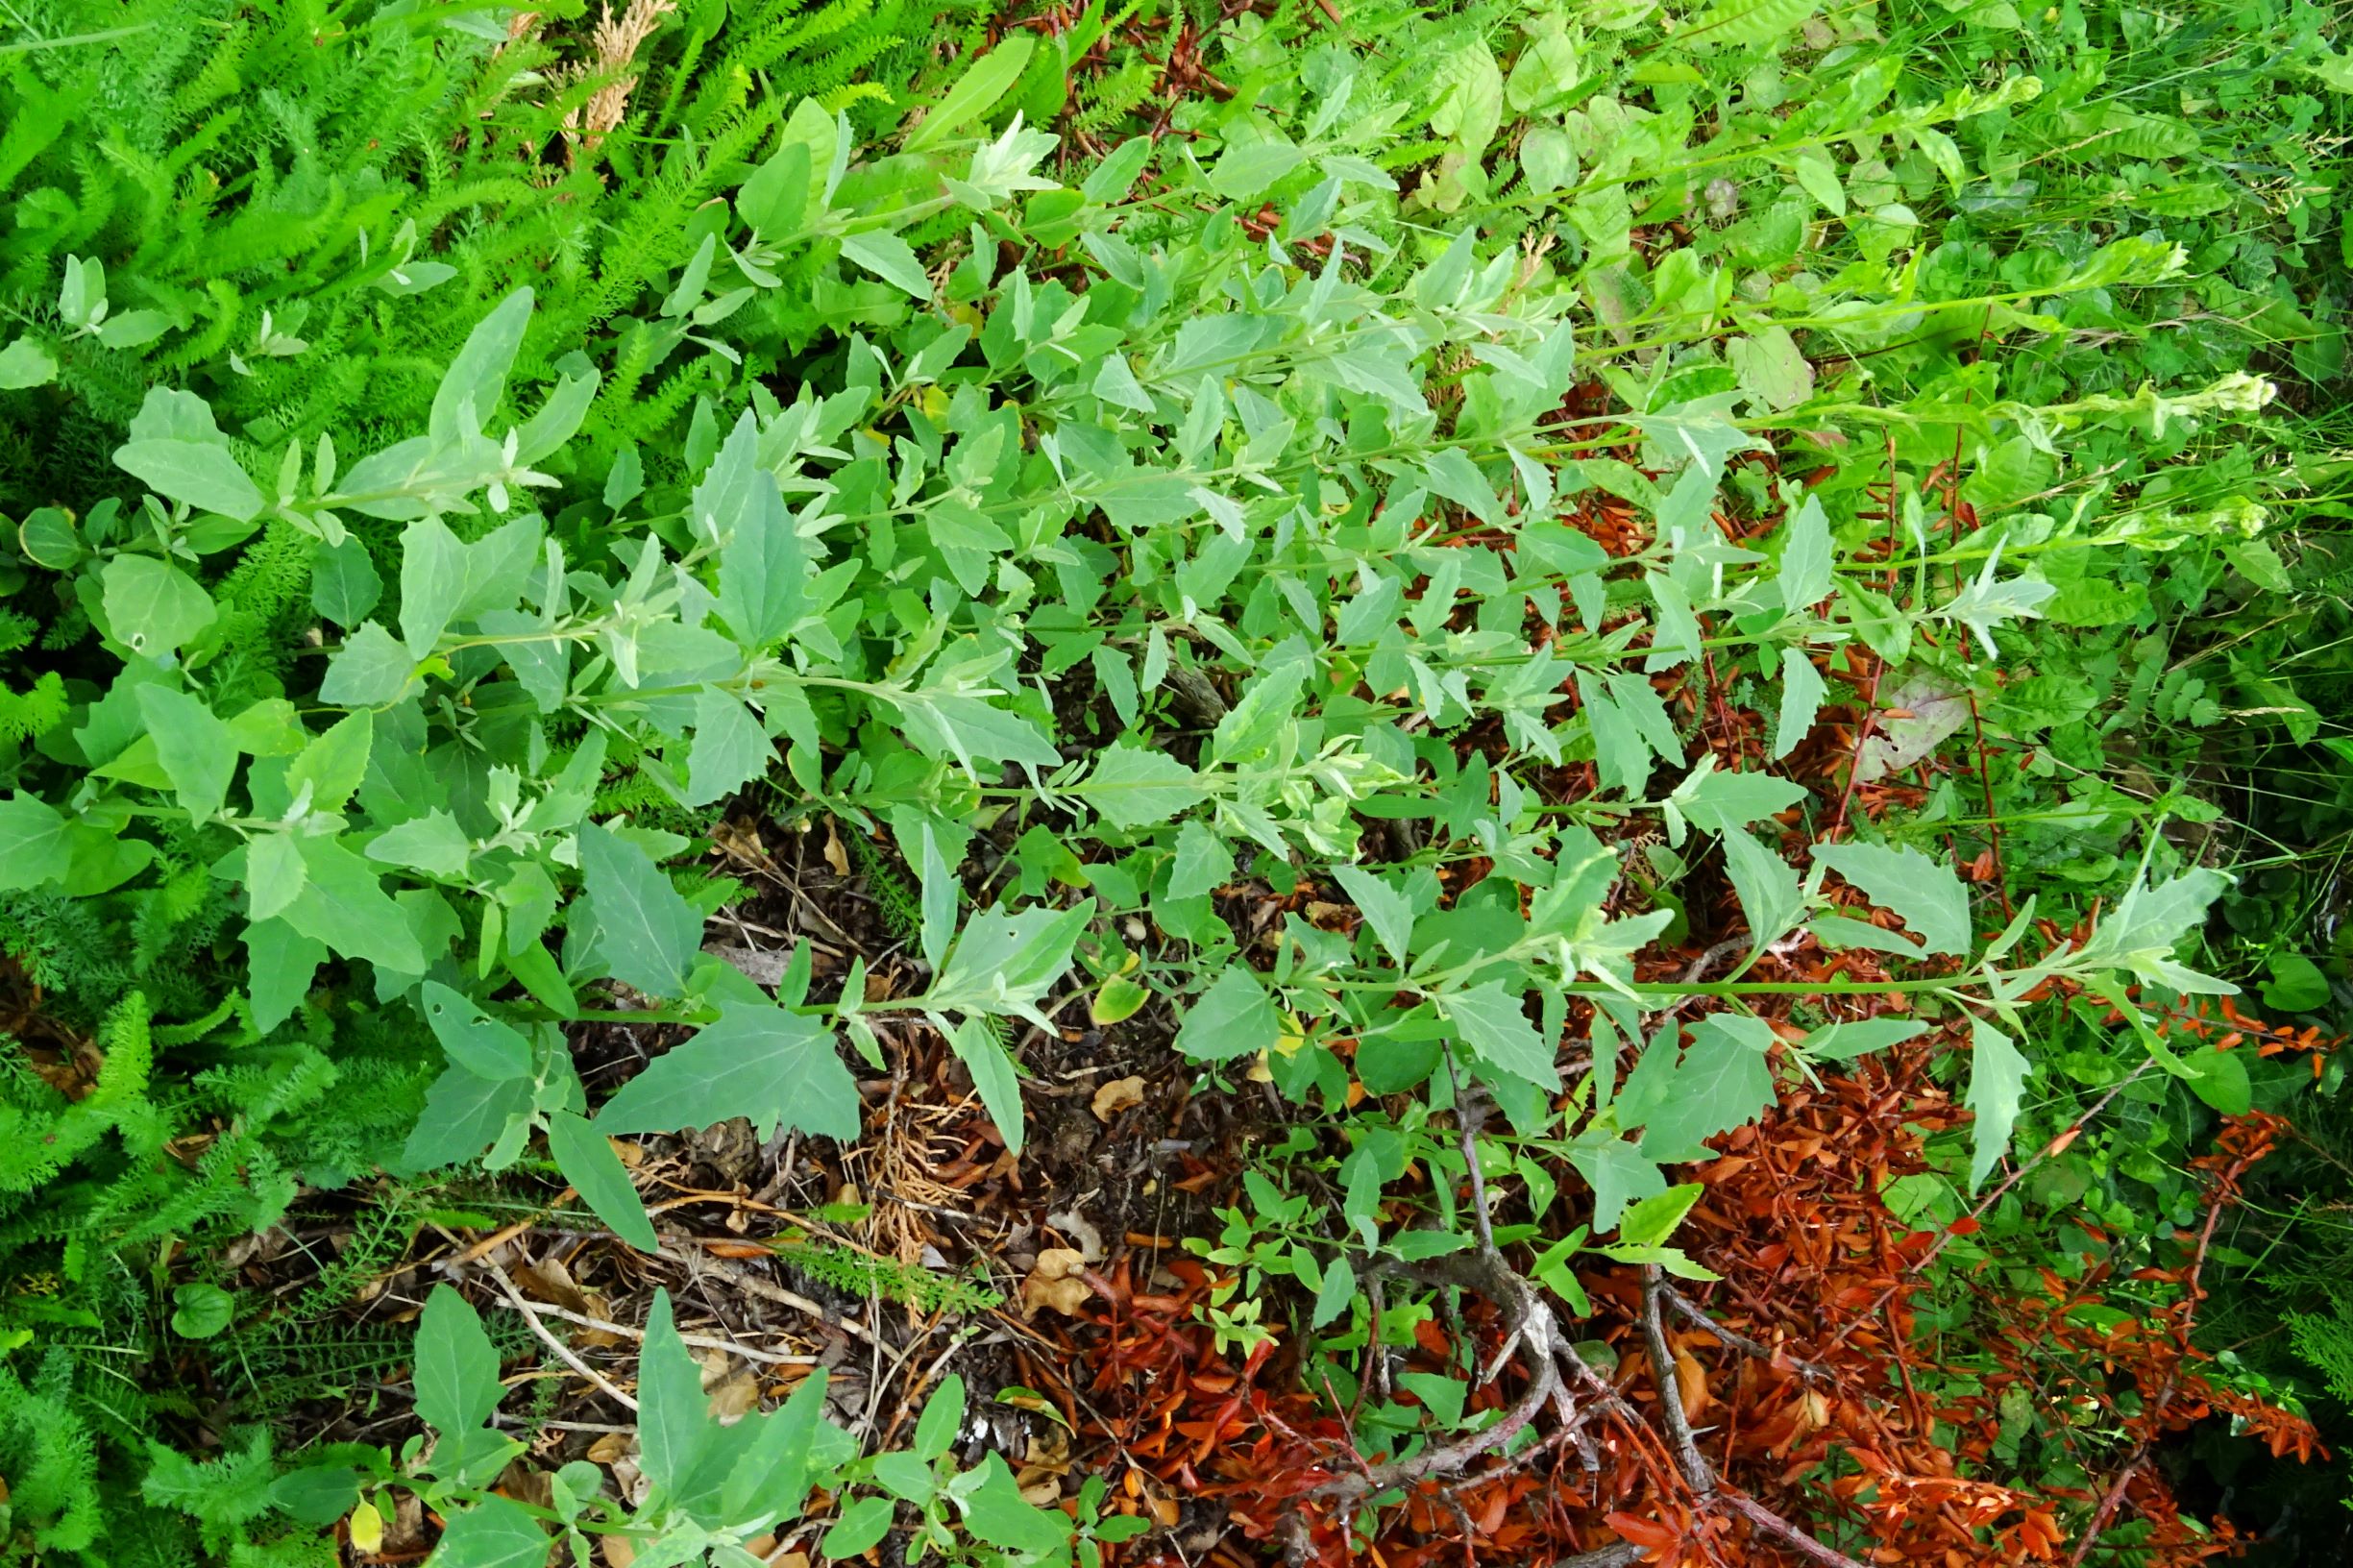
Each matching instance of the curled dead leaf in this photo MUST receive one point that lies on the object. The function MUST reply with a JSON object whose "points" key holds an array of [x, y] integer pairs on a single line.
{"points": [[1691, 1385], [1913, 719], [1055, 1283], [1117, 1095]]}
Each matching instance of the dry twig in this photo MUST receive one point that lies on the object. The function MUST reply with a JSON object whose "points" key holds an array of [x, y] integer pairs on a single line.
{"points": [[531, 1317]]}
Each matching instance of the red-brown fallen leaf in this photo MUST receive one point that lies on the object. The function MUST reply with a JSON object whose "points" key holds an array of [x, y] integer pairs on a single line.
{"points": [[1648, 1533]]}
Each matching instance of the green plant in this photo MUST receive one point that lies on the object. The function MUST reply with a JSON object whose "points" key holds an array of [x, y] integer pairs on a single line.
{"points": [[1546, 488]]}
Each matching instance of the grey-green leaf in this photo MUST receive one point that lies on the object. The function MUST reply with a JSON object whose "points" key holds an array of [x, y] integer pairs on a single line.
{"points": [[33, 843], [481, 1044], [647, 932], [1997, 1076], [476, 379], [887, 256], [1926, 893], [1234, 1017], [457, 1371], [1135, 787], [370, 670], [761, 1061], [204, 474], [152, 605], [194, 747], [1494, 1023], [495, 1532], [586, 1158]]}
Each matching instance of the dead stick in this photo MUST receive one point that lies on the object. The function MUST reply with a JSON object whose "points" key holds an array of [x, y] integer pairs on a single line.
{"points": [[1687, 1455], [1693, 1313], [745, 1281], [531, 1317]]}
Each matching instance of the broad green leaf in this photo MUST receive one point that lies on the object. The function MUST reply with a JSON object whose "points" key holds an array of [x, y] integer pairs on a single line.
{"points": [[1203, 861], [943, 1419], [1337, 1291], [763, 567], [1733, 22], [432, 582], [942, 895], [133, 328], [761, 1061], [1806, 558], [1717, 800], [34, 849], [1819, 178], [1765, 885], [1720, 1083], [481, 1044], [674, 1417], [1440, 1395], [1772, 370], [2148, 923], [1845, 1042], [464, 1117], [1234, 1017], [344, 582], [1618, 1173], [776, 200], [204, 474], [203, 1310], [27, 361], [731, 748], [476, 381], [1653, 1221], [280, 963], [330, 765], [1997, 1083], [432, 844], [868, 1520], [1801, 693], [1003, 963], [1112, 178], [274, 873], [2221, 1080], [975, 92], [1926, 893], [998, 1514], [647, 932], [1247, 169], [1494, 1023], [152, 606], [194, 746], [772, 1479], [344, 905], [994, 1077], [968, 729], [887, 256], [905, 1477], [370, 670], [1618, 751], [457, 1376], [1388, 911], [586, 1158], [2297, 985], [494, 1532], [1135, 787]]}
